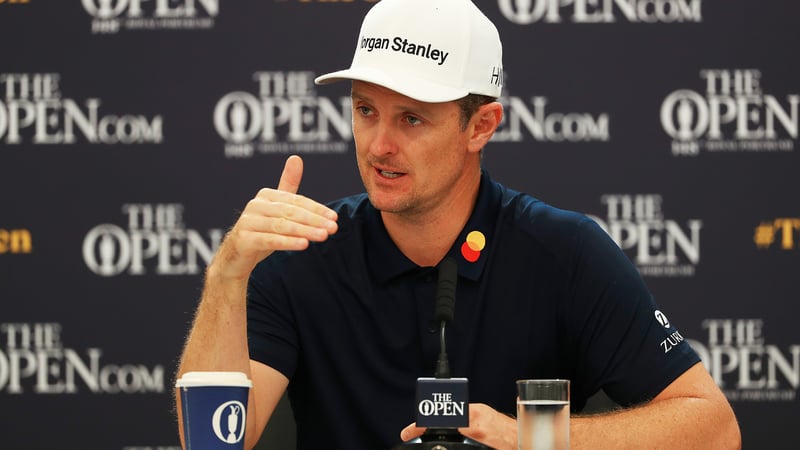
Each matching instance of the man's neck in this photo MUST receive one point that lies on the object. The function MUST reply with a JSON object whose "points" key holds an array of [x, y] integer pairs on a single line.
{"points": [[426, 238]]}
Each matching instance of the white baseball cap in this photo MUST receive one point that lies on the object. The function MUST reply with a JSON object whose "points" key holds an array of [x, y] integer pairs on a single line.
{"points": [[430, 50]]}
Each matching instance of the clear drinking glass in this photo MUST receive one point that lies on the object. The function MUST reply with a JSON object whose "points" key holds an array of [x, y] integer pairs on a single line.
{"points": [[543, 414]]}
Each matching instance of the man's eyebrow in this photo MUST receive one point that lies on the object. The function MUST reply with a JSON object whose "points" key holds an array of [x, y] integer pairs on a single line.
{"points": [[357, 95], [411, 106]]}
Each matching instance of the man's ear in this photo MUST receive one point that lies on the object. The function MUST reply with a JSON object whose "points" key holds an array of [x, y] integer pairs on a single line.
{"points": [[483, 125]]}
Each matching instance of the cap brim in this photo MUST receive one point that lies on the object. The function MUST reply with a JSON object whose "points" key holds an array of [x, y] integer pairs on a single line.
{"points": [[419, 89]]}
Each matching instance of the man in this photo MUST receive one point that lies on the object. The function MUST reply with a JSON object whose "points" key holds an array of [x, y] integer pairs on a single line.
{"points": [[335, 302]]}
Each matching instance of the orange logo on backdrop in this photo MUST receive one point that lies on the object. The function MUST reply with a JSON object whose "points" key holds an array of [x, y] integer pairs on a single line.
{"points": [[780, 230], [15, 241]]}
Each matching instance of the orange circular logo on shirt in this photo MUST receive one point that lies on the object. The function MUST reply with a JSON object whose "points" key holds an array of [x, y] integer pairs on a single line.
{"points": [[475, 243]]}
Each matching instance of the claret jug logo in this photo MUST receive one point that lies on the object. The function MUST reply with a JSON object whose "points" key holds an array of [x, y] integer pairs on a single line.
{"points": [[524, 12], [35, 359], [733, 115], [658, 246], [286, 115], [111, 16], [33, 108], [155, 239], [228, 421], [744, 366]]}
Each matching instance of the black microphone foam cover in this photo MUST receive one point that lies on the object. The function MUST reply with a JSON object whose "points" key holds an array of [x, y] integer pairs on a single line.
{"points": [[446, 290]]}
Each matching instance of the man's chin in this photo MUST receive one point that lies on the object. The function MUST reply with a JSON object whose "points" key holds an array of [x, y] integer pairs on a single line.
{"points": [[389, 206]]}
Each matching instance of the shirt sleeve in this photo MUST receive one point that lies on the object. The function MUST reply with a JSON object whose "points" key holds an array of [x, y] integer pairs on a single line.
{"points": [[271, 332], [622, 342]]}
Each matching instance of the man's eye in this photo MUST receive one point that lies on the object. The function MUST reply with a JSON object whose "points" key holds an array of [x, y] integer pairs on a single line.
{"points": [[363, 110], [413, 120]]}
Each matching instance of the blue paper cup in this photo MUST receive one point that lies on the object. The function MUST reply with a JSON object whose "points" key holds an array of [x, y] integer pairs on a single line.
{"points": [[214, 409]]}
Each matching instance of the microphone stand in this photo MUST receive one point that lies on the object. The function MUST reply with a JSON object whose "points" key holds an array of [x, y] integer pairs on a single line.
{"points": [[443, 438]]}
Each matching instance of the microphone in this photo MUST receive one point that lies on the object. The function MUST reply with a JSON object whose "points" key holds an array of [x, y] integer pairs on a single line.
{"points": [[442, 401], [446, 290], [445, 310]]}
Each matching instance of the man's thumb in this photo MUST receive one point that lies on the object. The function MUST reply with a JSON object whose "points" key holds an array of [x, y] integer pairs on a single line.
{"points": [[292, 174]]}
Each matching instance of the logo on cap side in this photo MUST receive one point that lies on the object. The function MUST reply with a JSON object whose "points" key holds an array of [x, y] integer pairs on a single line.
{"points": [[497, 76]]}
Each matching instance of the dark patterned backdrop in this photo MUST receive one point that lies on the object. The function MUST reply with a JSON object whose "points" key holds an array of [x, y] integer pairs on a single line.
{"points": [[132, 131]]}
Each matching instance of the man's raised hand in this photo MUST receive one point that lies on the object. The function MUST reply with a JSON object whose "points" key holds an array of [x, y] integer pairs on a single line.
{"points": [[275, 219]]}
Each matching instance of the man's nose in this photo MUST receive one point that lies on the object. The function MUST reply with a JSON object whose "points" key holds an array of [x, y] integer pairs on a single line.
{"points": [[384, 141]]}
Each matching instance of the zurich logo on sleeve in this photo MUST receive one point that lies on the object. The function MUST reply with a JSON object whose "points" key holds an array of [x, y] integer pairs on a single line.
{"points": [[662, 319], [228, 422]]}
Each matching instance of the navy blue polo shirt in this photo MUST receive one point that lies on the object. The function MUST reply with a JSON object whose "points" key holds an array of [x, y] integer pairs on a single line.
{"points": [[350, 321]]}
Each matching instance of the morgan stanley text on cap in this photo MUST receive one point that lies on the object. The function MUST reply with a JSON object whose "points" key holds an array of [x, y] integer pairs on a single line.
{"points": [[430, 50]]}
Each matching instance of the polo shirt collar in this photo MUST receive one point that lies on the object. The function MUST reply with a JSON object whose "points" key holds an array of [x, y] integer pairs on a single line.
{"points": [[470, 250]]}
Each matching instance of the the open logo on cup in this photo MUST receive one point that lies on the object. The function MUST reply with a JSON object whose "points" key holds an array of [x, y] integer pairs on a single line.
{"points": [[228, 421], [214, 409]]}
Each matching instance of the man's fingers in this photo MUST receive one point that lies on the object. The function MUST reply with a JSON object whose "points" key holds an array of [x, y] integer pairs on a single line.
{"points": [[286, 227], [269, 242], [410, 432], [276, 219], [296, 208], [288, 187], [292, 175]]}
